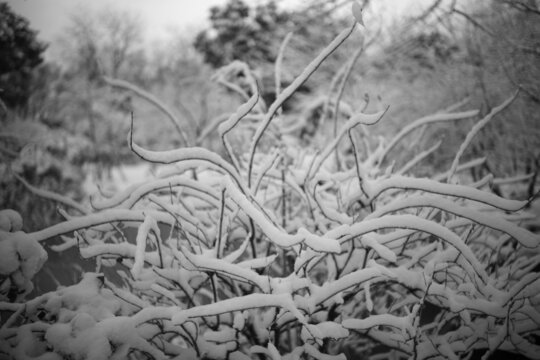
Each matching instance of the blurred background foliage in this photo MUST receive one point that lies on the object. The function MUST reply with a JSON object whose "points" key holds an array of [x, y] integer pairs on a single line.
{"points": [[63, 125], [21, 53]]}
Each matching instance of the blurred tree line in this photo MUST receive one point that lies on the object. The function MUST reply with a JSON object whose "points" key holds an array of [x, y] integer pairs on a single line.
{"points": [[482, 51], [58, 116]]}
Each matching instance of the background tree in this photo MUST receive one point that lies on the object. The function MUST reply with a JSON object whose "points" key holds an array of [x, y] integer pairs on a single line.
{"points": [[238, 32], [254, 34], [94, 44], [21, 53], [102, 42]]}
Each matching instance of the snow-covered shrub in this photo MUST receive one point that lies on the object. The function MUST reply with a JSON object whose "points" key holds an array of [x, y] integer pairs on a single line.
{"points": [[21, 256], [288, 252]]}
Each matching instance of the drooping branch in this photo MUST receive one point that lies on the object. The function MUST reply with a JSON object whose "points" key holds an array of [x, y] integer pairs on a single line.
{"points": [[122, 84]]}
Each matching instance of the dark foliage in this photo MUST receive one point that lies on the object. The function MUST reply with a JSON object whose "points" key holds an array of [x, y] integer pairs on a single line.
{"points": [[20, 53], [240, 33]]}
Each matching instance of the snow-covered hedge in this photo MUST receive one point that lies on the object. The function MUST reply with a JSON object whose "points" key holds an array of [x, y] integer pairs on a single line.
{"points": [[284, 252]]}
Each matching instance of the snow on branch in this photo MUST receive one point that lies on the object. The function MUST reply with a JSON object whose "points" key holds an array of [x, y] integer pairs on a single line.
{"points": [[343, 252]]}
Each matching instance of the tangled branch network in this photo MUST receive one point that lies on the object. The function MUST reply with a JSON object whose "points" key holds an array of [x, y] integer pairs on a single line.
{"points": [[284, 252]]}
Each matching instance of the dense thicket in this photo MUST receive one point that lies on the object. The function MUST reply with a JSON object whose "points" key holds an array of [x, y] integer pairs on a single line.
{"points": [[304, 236]]}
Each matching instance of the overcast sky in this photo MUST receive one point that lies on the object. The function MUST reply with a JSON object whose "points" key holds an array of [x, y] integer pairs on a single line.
{"points": [[50, 16]]}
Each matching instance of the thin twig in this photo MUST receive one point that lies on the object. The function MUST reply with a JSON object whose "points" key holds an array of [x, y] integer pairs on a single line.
{"points": [[151, 99], [289, 91]]}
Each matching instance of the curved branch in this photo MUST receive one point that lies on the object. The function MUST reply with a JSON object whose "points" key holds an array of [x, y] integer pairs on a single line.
{"points": [[151, 99], [289, 91]]}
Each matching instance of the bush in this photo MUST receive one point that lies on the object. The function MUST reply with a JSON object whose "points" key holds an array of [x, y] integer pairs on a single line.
{"points": [[284, 251]]}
